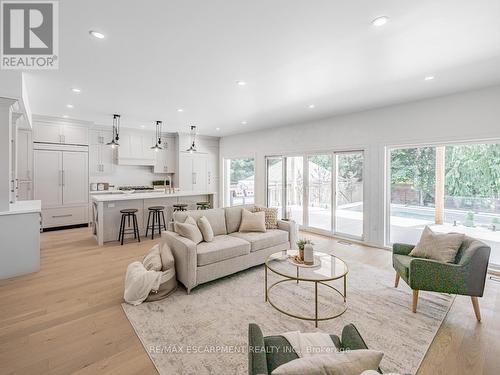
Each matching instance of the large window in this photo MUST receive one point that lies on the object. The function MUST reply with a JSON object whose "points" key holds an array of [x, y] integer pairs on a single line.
{"points": [[322, 192], [452, 188], [239, 181]]}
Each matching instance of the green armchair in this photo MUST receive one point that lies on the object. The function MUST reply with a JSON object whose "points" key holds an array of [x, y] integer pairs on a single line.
{"points": [[265, 354], [466, 276]]}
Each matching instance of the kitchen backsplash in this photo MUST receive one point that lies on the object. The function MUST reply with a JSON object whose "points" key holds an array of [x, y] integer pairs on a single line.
{"points": [[129, 175]]}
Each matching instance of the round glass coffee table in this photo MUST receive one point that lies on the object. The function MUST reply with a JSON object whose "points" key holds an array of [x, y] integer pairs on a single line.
{"points": [[327, 268]]}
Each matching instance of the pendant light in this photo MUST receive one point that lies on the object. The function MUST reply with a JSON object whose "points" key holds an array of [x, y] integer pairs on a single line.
{"points": [[157, 146], [116, 131], [192, 148]]}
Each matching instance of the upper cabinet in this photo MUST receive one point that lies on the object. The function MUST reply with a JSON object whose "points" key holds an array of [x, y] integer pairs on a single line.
{"points": [[47, 132], [101, 155], [135, 148], [165, 159]]}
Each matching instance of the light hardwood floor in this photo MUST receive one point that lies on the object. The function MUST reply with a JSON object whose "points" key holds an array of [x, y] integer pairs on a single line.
{"points": [[67, 318]]}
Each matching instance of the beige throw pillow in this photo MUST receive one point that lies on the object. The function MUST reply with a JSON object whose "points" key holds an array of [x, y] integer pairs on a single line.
{"points": [[152, 260], [271, 215], [206, 229], [252, 221], [167, 258], [189, 229], [351, 362], [442, 247]]}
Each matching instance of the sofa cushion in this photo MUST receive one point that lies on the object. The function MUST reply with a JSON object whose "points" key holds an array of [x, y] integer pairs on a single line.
{"points": [[215, 217], [263, 240], [189, 229], [252, 221], [205, 229], [401, 264], [221, 248], [233, 216]]}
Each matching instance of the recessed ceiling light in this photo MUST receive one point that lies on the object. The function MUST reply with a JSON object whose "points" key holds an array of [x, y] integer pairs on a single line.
{"points": [[243, 123], [311, 106], [76, 90], [69, 105], [65, 116], [380, 21], [96, 34], [241, 83], [217, 129], [143, 126], [180, 109], [429, 78]]}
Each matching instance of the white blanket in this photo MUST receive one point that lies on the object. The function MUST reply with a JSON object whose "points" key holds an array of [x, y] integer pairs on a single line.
{"points": [[139, 282], [308, 344]]}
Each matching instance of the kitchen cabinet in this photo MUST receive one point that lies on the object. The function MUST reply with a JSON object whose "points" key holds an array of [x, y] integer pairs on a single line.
{"points": [[24, 150], [193, 171], [213, 170], [165, 158], [135, 148], [61, 183], [101, 156], [45, 132]]}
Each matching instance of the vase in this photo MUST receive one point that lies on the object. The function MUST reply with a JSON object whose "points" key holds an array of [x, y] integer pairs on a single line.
{"points": [[301, 254], [308, 254]]}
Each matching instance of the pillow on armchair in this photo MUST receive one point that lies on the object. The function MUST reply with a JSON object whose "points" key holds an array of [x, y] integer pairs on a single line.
{"points": [[442, 247]]}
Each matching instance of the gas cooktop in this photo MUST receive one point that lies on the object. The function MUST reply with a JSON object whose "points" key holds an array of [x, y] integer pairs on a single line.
{"points": [[127, 188]]}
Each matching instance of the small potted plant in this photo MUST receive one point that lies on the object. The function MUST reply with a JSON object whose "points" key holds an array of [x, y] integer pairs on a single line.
{"points": [[469, 219], [300, 244]]}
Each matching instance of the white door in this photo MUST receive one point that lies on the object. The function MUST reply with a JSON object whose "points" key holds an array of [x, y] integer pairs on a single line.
{"points": [[48, 177], [75, 178], [75, 135], [106, 153], [48, 133], [24, 156], [185, 171], [200, 172]]}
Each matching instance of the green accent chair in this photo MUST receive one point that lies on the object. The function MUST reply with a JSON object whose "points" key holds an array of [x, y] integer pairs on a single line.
{"points": [[466, 276], [265, 354]]}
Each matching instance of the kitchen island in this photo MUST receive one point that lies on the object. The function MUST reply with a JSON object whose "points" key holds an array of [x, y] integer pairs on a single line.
{"points": [[106, 209]]}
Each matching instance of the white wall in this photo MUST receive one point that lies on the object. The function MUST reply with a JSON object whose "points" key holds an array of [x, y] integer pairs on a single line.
{"points": [[467, 116], [129, 175]]}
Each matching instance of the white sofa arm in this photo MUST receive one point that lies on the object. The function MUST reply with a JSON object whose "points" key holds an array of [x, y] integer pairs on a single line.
{"points": [[184, 251], [291, 228]]}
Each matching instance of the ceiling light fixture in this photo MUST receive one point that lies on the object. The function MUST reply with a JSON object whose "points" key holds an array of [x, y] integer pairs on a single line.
{"points": [[116, 131], [157, 146], [65, 116], [192, 148], [217, 129], [429, 78], [380, 21], [311, 106], [70, 105], [243, 123], [96, 34], [180, 110], [241, 83], [76, 90]]}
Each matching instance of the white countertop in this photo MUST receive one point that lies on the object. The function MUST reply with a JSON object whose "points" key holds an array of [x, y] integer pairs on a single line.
{"points": [[23, 207], [146, 195]]}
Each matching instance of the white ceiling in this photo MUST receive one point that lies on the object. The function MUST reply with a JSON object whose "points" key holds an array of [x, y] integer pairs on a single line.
{"points": [[162, 55]]}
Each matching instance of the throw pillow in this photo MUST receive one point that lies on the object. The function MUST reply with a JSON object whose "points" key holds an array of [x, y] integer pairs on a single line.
{"points": [[373, 372], [167, 258], [441, 247], [351, 362], [152, 260], [206, 229], [252, 221], [189, 229], [271, 215]]}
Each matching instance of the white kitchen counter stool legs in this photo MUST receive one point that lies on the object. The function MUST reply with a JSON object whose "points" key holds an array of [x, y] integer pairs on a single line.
{"points": [[125, 226], [158, 214]]}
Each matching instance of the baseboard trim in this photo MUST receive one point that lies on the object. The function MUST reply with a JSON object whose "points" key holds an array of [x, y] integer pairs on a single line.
{"points": [[51, 229]]}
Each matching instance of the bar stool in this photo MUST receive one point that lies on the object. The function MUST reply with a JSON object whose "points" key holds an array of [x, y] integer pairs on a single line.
{"points": [[180, 207], [127, 214], [155, 211], [202, 205]]}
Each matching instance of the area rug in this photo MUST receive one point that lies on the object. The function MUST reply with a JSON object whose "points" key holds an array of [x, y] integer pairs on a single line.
{"points": [[206, 332]]}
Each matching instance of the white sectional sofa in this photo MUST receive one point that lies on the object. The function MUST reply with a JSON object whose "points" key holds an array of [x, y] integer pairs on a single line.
{"points": [[229, 252]]}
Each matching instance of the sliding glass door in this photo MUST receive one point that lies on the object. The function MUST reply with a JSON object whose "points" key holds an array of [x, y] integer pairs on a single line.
{"points": [[349, 194], [321, 192]]}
